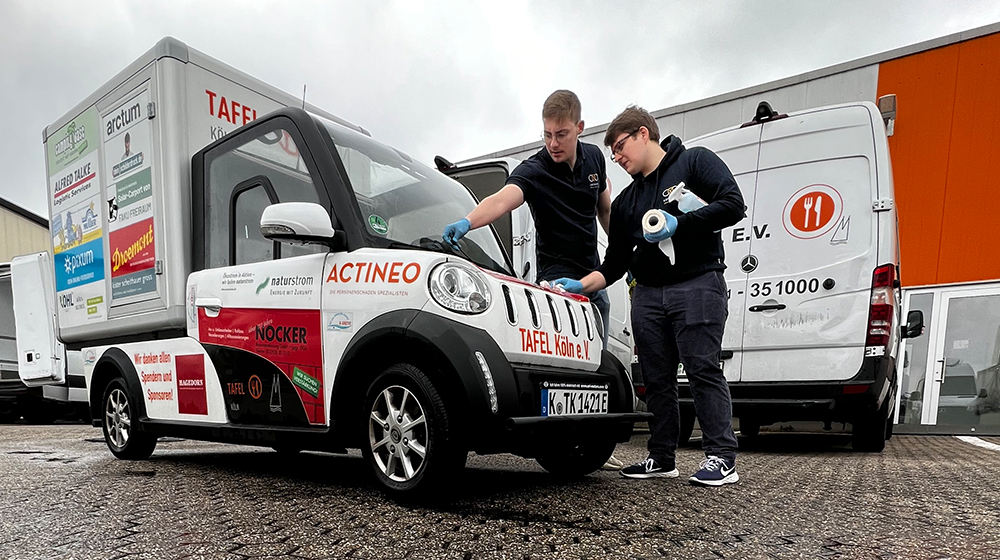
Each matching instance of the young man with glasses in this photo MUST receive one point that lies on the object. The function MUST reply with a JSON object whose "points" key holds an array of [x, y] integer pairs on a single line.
{"points": [[566, 187], [679, 305]]}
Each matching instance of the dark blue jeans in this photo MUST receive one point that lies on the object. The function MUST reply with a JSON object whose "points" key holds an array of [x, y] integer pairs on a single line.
{"points": [[684, 323]]}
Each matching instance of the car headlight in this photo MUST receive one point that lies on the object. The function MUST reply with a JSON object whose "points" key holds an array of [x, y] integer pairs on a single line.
{"points": [[459, 288]]}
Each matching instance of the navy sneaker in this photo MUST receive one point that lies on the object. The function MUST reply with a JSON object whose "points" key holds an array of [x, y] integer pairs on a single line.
{"points": [[715, 471], [649, 468]]}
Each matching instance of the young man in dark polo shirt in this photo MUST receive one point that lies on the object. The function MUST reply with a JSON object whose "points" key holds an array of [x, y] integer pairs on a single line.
{"points": [[679, 306], [566, 187]]}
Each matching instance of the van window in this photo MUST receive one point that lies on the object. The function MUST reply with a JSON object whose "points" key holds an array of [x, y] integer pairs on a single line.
{"points": [[273, 155]]}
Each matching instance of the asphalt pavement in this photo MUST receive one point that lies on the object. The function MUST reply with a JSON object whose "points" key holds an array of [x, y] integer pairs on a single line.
{"points": [[63, 496]]}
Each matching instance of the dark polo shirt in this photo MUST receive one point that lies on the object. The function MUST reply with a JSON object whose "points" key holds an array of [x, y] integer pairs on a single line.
{"points": [[563, 203]]}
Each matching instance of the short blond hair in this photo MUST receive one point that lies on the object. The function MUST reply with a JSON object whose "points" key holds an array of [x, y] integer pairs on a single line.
{"points": [[562, 104]]}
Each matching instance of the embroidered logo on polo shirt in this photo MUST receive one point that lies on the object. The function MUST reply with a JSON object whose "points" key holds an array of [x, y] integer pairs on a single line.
{"points": [[594, 180]]}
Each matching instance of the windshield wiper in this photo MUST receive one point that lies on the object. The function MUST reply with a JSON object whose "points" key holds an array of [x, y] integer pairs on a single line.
{"points": [[433, 246]]}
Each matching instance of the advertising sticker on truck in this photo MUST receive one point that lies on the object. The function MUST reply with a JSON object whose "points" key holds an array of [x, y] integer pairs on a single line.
{"points": [[283, 347], [76, 227], [127, 133]]}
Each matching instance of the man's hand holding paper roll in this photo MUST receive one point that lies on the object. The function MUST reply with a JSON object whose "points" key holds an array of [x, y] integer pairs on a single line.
{"points": [[658, 225]]}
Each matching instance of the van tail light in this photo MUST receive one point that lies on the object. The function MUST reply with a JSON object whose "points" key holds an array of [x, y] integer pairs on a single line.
{"points": [[882, 307]]}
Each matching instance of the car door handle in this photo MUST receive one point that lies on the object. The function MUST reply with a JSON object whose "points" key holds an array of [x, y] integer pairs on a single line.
{"points": [[626, 333], [211, 305], [769, 307]]}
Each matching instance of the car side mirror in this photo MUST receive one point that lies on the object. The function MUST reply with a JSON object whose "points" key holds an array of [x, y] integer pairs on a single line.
{"points": [[915, 396], [300, 222], [983, 394], [914, 324]]}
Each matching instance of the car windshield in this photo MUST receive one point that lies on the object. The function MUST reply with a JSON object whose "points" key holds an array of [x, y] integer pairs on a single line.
{"points": [[407, 202]]}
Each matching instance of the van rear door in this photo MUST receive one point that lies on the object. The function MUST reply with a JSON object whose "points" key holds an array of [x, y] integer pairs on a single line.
{"points": [[739, 149], [809, 291], [41, 358]]}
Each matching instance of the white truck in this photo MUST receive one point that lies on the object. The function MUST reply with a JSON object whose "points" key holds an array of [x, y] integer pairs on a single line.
{"points": [[231, 267]]}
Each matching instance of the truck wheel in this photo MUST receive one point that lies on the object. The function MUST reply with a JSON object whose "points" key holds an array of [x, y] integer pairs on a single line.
{"points": [[578, 461], [868, 432], [749, 427], [410, 436], [121, 425], [687, 427], [39, 411], [9, 413]]}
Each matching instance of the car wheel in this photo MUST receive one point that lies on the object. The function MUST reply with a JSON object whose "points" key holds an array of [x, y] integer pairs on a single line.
{"points": [[9, 412], [578, 461], [39, 411], [122, 432], [868, 432], [749, 427], [687, 428], [410, 437]]}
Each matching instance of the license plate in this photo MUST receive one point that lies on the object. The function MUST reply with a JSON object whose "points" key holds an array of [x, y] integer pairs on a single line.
{"points": [[562, 402]]}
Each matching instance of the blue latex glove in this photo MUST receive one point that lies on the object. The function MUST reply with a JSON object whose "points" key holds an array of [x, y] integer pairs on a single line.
{"points": [[570, 285], [669, 228], [454, 232]]}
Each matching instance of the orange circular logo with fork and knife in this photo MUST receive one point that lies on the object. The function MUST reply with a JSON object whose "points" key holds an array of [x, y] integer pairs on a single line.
{"points": [[812, 211]]}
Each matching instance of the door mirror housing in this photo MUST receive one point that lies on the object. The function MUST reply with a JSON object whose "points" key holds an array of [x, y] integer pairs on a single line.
{"points": [[300, 222], [914, 324], [983, 393], [915, 396]]}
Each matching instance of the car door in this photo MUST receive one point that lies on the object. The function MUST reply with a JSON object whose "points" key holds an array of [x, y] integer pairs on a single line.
{"points": [[257, 303]]}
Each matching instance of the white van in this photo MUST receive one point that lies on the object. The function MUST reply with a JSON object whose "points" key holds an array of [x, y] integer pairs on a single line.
{"points": [[813, 272]]}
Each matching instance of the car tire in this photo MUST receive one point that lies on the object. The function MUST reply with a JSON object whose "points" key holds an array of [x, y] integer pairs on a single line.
{"points": [[120, 421], [39, 411], [9, 412], [409, 436], [687, 428], [580, 460], [868, 432], [749, 427]]}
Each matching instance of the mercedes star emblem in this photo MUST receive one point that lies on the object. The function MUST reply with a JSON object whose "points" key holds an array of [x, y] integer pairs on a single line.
{"points": [[749, 264]]}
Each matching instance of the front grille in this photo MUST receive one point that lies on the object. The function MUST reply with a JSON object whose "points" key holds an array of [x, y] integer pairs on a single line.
{"points": [[572, 319], [586, 321], [532, 308], [511, 310], [557, 322]]}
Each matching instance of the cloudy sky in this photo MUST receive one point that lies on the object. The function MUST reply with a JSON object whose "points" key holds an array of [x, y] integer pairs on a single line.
{"points": [[457, 78]]}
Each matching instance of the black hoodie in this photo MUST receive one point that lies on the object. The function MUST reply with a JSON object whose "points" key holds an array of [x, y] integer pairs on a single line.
{"points": [[697, 242]]}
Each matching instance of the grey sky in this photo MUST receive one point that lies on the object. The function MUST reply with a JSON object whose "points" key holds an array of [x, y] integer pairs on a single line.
{"points": [[453, 78]]}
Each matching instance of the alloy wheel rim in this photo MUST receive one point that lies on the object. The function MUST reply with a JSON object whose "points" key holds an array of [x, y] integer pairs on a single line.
{"points": [[397, 433], [117, 418]]}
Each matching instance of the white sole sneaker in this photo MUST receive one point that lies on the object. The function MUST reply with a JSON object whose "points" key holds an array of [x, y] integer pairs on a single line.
{"points": [[661, 474], [732, 478]]}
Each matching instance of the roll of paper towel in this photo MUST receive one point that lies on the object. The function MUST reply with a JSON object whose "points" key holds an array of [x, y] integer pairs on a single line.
{"points": [[653, 222]]}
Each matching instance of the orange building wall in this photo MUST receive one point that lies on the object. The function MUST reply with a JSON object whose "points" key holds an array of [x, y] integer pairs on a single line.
{"points": [[945, 152]]}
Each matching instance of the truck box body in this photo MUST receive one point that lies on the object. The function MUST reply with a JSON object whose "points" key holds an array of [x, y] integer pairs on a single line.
{"points": [[118, 166]]}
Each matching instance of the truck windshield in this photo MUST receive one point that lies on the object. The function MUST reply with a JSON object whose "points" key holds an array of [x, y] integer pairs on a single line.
{"points": [[407, 202]]}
